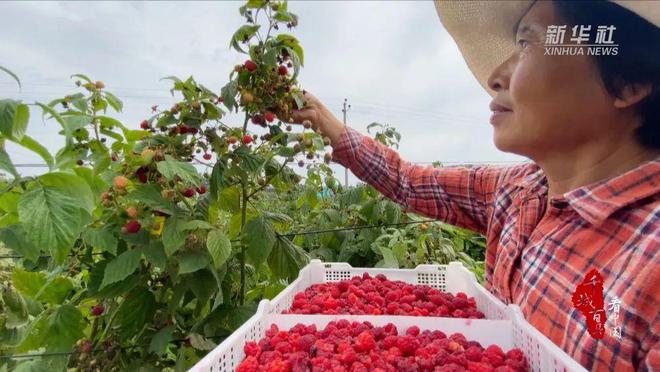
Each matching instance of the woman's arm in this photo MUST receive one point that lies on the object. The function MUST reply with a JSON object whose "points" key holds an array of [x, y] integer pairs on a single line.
{"points": [[459, 196]]}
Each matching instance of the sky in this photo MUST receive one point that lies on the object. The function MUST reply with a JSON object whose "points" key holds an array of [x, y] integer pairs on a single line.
{"points": [[392, 60]]}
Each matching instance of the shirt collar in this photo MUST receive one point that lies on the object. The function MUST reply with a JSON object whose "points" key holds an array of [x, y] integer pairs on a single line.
{"points": [[597, 201]]}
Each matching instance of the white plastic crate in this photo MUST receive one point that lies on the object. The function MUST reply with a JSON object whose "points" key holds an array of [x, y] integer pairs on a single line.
{"points": [[451, 278], [541, 353], [504, 326]]}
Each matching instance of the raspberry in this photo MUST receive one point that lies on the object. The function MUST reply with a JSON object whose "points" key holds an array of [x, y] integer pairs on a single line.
{"points": [[249, 65], [413, 331], [282, 70], [144, 124], [407, 345], [364, 342], [269, 116], [188, 192], [306, 342], [97, 310], [250, 364], [473, 353], [201, 190], [479, 367], [131, 227], [251, 348], [516, 354], [247, 139], [207, 156]]}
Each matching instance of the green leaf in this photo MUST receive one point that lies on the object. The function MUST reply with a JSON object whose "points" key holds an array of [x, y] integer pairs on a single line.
{"points": [[102, 239], [160, 340], [36, 286], [81, 76], [113, 101], [65, 327], [299, 99], [173, 236], [250, 161], [34, 146], [196, 225], [245, 32], [230, 199], [150, 195], [14, 117], [388, 258], [198, 342], [212, 111], [12, 75], [5, 161], [121, 267], [228, 93], [155, 254], [259, 237], [190, 262], [55, 211], [219, 247], [171, 168], [13, 236], [108, 122], [80, 104], [286, 259], [135, 312], [217, 180], [293, 43], [135, 135], [15, 309], [253, 4]]}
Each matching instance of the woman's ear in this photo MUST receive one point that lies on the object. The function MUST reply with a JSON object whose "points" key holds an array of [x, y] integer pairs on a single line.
{"points": [[631, 94]]}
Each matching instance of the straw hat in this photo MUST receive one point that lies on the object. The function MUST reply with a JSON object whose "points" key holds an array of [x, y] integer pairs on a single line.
{"points": [[483, 30]]}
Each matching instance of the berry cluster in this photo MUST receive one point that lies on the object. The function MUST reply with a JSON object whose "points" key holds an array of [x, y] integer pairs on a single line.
{"points": [[375, 296], [346, 346]]}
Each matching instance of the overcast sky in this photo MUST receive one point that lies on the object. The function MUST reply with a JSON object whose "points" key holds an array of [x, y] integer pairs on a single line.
{"points": [[392, 60]]}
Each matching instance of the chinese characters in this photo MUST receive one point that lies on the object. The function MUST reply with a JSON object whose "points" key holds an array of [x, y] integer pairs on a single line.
{"points": [[580, 36], [588, 299]]}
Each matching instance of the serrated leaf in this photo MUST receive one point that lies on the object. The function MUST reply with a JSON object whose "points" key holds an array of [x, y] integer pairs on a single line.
{"points": [[13, 237], [155, 254], [250, 161], [121, 267], [34, 146], [114, 102], [228, 93], [190, 262], [36, 286], [65, 327], [196, 225], [217, 180], [102, 239], [135, 135], [14, 117], [5, 161], [259, 237], [171, 168], [161, 339], [245, 32], [173, 236], [135, 312], [230, 199], [286, 259], [219, 247], [55, 211], [15, 308], [198, 342], [150, 195]]}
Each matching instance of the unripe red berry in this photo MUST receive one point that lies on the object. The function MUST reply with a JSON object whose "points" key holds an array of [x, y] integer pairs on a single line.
{"points": [[97, 310], [188, 193], [201, 190]]}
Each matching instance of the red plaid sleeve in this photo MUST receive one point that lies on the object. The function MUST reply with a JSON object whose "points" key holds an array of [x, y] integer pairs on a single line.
{"points": [[457, 195]]}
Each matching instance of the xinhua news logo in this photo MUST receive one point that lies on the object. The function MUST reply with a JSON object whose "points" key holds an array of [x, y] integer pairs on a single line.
{"points": [[580, 41]]}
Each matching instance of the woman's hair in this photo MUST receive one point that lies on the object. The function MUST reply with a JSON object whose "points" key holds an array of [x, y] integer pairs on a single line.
{"points": [[637, 61]]}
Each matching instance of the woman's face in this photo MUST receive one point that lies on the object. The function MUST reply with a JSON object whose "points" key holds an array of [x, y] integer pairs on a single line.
{"points": [[557, 103]]}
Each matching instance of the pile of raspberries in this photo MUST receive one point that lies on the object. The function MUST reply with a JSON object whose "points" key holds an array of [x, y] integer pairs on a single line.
{"points": [[356, 347], [368, 295]]}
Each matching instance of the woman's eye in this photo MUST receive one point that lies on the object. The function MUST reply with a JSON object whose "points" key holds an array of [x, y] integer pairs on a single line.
{"points": [[522, 43]]}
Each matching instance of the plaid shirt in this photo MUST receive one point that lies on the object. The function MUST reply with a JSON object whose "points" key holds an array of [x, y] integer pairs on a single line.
{"points": [[538, 254]]}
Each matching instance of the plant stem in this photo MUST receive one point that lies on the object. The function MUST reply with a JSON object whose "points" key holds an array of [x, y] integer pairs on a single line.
{"points": [[244, 199]]}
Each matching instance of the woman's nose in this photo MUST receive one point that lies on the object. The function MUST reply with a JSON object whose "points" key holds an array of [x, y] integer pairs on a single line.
{"points": [[500, 77]]}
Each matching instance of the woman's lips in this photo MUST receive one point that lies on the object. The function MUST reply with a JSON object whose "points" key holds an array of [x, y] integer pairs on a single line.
{"points": [[499, 111]]}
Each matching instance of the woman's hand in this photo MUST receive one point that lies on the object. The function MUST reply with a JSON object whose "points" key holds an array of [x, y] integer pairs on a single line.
{"points": [[320, 116]]}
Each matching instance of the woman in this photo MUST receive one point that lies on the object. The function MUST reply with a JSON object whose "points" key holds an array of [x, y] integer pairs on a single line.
{"points": [[590, 198]]}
